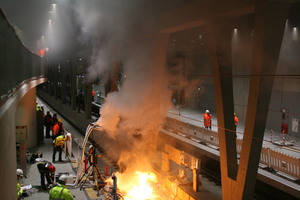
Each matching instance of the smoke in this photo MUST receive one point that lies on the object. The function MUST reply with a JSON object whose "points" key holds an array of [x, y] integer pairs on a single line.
{"points": [[133, 114]]}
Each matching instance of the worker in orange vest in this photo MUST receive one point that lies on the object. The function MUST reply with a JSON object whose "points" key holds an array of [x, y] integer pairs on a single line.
{"points": [[58, 129], [236, 121], [207, 119]]}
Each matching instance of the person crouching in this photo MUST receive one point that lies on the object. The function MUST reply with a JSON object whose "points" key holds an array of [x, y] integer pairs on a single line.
{"points": [[46, 170]]}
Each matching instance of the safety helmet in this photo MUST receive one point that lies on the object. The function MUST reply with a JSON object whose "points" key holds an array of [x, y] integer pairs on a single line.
{"points": [[207, 111], [20, 172], [38, 160], [59, 120], [69, 135], [51, 168], [63, 178]]}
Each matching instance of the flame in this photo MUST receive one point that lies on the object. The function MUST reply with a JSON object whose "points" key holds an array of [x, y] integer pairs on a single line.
{"points": [[141, 187]]}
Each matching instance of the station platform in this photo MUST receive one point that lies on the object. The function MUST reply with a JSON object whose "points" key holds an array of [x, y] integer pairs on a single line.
{"points": [[67, 167], [287, 143], [181, 114]]}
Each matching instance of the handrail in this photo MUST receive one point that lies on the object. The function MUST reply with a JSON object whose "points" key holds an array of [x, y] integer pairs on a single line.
{"points": [[269, 157]]}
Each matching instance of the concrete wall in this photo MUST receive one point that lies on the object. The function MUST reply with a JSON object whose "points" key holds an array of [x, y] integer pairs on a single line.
{"points": [[19, 109], [26, 116], [18, 68], [286, 89], [16, 61], [8, 154]]}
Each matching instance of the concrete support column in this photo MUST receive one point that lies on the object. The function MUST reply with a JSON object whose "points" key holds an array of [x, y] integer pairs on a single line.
{"points": [[196, 180], [63, 72], [88, 101], [73, 83], [51, 79], [55, 80], [270, 18], [115, 77], [8, 157], [165, 162], [26, 116], [269, 24], [219, 36]]}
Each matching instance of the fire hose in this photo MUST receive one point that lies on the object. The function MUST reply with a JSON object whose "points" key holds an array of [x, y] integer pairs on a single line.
{"points": [[81, 159], [113, 194]]}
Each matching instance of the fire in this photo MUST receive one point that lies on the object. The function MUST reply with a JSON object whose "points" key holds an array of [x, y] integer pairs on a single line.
{"points": [[140, 186]]}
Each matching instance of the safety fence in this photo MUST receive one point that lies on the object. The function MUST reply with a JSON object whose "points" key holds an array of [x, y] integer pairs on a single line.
{"points": [[273, 159]]}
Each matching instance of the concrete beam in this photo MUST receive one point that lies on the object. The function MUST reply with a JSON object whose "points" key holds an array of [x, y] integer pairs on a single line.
{"points": [[193, 14]]}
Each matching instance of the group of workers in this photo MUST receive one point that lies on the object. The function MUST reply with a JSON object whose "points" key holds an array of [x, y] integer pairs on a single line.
{"points": [[58, 191], [207, 119], [46, 169], [55, 125]]}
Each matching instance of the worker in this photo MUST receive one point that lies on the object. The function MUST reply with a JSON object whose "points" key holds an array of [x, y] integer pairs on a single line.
{"points": [[46, 170], [207, 119], [58, 143], [58, 129], [54, 118], [38, 108], [20, 175], [48, 123], [236, 121], [60, 191]]}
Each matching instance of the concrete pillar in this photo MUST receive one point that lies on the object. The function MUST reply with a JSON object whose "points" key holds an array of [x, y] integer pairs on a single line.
{"points": [[196, 180], [88, 101], [270, 18], [63, 71], [219, 37], [269, 24], [55, 80], [26, 116], [165, 162], [115, 77], [73, 83], [8, 155]]}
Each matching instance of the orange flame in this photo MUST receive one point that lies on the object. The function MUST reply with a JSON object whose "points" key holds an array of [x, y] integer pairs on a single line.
{"points": [[140, 186]]}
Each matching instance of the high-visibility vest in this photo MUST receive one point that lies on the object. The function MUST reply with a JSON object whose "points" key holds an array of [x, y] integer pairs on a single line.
{"points": [[60, 140], [57, 129], [60, 192], [236, 120], [207, 119], [19, 190]]}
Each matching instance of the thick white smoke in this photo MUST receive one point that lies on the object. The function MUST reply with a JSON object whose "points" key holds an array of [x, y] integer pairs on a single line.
{"points": [[142, 103]]}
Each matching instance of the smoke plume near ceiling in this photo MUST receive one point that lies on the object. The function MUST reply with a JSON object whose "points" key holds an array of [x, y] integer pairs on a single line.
{"points": [[133, 114]]}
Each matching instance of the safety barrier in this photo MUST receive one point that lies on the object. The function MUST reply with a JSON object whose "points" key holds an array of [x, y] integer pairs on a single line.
{"points": [[194, 132], [272, 159], [280, 162]]}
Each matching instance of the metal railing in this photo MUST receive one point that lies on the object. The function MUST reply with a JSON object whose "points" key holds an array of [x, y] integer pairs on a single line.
{"points": [[273, 159]]}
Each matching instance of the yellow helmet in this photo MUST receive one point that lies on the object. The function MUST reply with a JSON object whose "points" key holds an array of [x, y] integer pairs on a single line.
{"points": [[59, 120]]}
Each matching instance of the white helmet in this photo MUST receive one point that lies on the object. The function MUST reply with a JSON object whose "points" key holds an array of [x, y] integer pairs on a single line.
{"points": [[38, 160], [63, 178], [20, 172], [69, 135], [207, 111]]}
